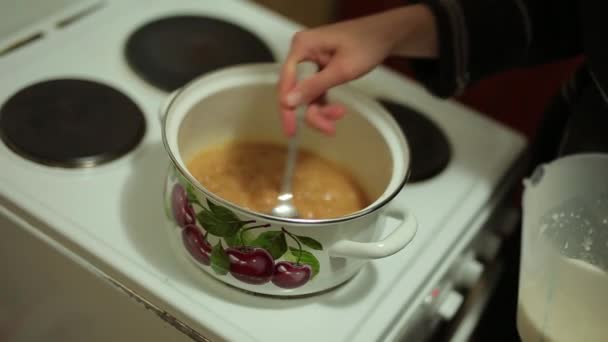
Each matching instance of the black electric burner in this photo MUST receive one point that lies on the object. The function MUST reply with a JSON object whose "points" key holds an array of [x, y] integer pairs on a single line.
{"points": [[170, 52], [71, 123], [429, 146]]}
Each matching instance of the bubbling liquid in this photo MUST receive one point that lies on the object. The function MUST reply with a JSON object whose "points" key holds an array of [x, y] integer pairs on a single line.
{"points": [[249, 174]]}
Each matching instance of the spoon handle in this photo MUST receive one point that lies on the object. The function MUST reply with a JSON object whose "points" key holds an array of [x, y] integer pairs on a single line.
{"points": [[292, 153], [303, 70]]}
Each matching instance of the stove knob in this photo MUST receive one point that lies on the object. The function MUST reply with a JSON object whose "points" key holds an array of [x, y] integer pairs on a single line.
{"points": [[450, 304], [488, 245], [469, 272]]}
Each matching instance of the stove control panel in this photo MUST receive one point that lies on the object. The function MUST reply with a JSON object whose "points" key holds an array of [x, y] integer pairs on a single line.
{"points": [[446, 304], [488, 245], [468, 271], [449, 305]]}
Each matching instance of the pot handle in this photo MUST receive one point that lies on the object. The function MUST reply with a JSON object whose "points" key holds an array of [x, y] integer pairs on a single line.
{"points": [[393, 243], [164, 105]]}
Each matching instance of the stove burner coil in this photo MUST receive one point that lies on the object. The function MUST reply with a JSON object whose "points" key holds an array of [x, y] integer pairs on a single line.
{"points": [[170, 52], [429, 147], [71, 123]]}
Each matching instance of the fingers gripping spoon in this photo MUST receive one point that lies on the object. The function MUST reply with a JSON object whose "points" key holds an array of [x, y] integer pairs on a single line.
{"points": [[285, 206]]}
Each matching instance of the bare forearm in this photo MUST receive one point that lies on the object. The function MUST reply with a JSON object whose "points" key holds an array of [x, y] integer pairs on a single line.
{"points": [[414, 31]]}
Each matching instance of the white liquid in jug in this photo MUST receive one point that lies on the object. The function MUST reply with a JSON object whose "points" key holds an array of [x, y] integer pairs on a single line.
{"points": [[568, 301]]}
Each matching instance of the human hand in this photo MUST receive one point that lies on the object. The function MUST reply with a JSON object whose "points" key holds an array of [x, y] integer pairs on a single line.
{"points": [[343, 51]]}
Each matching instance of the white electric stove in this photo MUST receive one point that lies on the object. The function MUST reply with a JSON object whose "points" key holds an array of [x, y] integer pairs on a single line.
{"points": [[108, 219]]}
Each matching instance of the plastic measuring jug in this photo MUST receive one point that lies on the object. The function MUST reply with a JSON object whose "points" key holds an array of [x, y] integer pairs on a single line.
{"points": [[563, 285]]}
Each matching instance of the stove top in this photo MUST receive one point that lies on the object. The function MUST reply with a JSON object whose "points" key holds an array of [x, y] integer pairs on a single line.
{"points": [[110, 216]]}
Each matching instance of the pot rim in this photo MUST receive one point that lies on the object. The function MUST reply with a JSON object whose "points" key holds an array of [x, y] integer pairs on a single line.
{"points": [[166, 110]]}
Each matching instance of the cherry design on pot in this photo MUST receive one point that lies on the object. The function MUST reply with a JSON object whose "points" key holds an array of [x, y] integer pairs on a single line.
{"points": [[252, 265], [181, 207], [249, 264], [256, 260], [197, 244], [290, 275]]}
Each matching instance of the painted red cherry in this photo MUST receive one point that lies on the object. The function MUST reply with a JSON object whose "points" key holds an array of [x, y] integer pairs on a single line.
{"points": [[182, 209], [289, 275], [251, 265], [197, 246]]}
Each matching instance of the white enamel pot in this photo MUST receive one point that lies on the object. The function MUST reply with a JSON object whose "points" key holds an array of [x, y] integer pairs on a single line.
{"points": [[258, 252]]}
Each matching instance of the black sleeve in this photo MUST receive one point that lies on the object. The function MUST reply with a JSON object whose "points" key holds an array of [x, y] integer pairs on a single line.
{"points": [[480, 37]]}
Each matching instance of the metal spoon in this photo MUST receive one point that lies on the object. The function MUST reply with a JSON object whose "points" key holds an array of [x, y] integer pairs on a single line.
{"points": [[285, 207]]}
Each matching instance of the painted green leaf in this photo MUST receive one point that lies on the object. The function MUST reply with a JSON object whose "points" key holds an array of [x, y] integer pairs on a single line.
{"points": [[219, 259], [191, 193], [310, 242], [248, 237], [220, 221], [305, 258], [274, 242], [235, 240], [216, 225], [222, 213]]}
